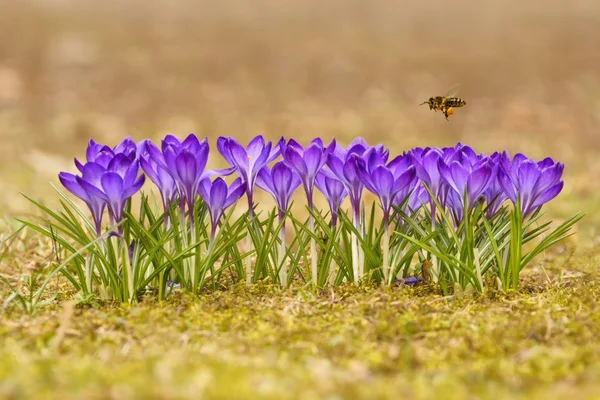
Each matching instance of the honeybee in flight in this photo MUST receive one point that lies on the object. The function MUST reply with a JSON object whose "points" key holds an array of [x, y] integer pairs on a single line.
{"points": [[445, 104]]}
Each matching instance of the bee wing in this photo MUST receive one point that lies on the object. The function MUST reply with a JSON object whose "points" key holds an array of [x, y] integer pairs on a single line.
{"points": [[453, 92]]}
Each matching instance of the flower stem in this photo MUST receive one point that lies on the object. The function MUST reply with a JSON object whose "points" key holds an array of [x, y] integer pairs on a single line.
{"points": [[354, 242], [283, 276], [386, 252], [249, 238], [313, 251]]}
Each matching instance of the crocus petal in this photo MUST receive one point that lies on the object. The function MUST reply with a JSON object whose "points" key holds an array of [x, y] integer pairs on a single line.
{"points": [[265, 182], [262, 159], [477, 182], [236, 190], [223, 148], [405, 180], [92, 172], [276, 150], [255, 146], [186, 169], [313, 157], [130, 190], [112, 185], [150, 170], [170, 159], [508, 186], [204, 189], [547, 195], [201, 156], [295, 160], [459, 177], [219, 172], [218, 194], [238, 156], [69, 181], [131, 174]]}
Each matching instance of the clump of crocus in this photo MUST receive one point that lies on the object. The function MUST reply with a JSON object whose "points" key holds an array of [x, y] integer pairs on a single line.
{"points": [[343, 166], [334, 192], [248, 162], [388, 182], [468, 178], [280, 182], [307, 163], [185, 162], [108, 179], [218, 197]]}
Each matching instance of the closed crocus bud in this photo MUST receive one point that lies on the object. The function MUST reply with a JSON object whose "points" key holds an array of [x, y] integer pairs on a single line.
{"points": [[218, 197], [280, 182], [334, 192]]}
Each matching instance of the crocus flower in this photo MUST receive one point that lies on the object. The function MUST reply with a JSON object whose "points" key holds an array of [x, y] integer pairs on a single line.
{"points": [[185, 162], [158, 174], [95, 203], [249, 161], [387, 182], [334, 192], [494, 195], [343, 166], [307, 162], [536, 183], [102, 154], [218, 197], [426, 167], [280, 182], [472, 178], [111, 186]]}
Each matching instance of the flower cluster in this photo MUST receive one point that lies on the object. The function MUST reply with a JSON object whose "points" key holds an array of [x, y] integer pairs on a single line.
{"points": [[452, 181]]}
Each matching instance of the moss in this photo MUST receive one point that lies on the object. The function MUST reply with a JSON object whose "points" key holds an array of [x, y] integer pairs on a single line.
{"points": [[351, 342]]}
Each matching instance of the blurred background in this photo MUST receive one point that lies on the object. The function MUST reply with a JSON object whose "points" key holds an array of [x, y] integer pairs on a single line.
{"points": [[71, 70]]}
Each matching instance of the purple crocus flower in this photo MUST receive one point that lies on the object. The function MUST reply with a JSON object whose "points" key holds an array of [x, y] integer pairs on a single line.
{"points": [[426, 167], [248, 161], [102, 154], [112, 185], [343, 166], [334, 192], [470, 176], [494, 195], [95, 203], [307, 162], [387, 182], [280, 182], [158, 174], [218, 197], [185, 162], [536, 183]]}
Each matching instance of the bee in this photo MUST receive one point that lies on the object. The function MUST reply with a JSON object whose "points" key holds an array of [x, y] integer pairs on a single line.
{"points": [[445, 104]]}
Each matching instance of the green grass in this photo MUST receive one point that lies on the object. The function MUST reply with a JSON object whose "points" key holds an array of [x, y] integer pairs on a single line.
{"points": [[351, 342]]}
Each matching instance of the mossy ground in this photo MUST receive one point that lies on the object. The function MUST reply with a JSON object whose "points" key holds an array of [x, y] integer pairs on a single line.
{"points": [[351, 342]]}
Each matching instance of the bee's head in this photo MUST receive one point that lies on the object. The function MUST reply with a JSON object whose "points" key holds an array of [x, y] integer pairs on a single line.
{"points": [[431, 102]]}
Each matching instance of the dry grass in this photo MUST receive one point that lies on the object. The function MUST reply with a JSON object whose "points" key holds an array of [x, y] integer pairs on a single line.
{"points": [[73, 70]]}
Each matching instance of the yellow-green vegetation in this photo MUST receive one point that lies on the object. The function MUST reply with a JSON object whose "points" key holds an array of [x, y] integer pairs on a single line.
{"points": [[351, 342]]}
